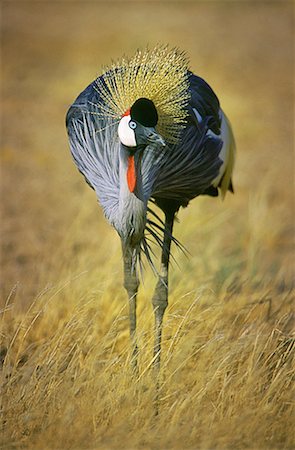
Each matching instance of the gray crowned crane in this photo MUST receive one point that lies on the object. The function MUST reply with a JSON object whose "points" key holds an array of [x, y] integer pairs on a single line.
{"points": [[149, 132]]}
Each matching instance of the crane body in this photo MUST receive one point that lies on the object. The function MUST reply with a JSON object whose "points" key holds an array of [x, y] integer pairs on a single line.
{"points": [[148, 131]]}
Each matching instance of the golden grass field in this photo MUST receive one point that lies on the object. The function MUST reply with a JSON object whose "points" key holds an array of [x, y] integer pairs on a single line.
{"points": [[228, 340]]}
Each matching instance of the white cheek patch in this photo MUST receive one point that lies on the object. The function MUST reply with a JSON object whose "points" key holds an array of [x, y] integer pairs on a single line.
{"points": [[126, 134]]}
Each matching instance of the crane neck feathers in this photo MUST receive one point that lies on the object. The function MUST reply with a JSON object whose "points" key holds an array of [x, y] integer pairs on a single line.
{"points": [[132, 205]]}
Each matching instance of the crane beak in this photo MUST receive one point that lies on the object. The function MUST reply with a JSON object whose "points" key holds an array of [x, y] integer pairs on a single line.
{"points": [[148, 136], [154, 138]]}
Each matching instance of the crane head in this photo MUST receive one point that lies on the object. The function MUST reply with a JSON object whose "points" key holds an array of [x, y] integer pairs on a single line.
{"points": [[136, 132], [137, 126]]}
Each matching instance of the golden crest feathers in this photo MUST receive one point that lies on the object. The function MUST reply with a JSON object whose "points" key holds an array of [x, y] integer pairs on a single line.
{"points": [[160, 75]]}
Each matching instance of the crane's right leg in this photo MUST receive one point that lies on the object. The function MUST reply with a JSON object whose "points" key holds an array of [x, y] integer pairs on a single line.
{"points": [[160, 298], [131, 285]]}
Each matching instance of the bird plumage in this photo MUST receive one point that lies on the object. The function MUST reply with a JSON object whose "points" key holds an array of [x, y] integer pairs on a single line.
{"points": [[178, 172], [149, 130]]}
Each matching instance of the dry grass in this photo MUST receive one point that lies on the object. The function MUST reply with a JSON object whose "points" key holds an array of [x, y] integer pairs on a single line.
{"points": [[228, 351]]}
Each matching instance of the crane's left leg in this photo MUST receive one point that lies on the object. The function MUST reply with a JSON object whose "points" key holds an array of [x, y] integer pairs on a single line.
{"points": [[160, 298], [131, 285]]}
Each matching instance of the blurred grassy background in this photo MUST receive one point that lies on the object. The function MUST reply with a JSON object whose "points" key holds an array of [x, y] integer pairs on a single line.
{"points": [[51, 51], [57, 246]]}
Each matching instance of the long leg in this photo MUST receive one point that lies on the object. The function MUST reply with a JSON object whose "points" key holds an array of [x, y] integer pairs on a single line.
{"points": [[160, 298], [131, 285]]}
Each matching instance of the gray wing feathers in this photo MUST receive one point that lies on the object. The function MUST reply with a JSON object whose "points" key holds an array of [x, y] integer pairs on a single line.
{"points": [[188, 169], [96, 155]]}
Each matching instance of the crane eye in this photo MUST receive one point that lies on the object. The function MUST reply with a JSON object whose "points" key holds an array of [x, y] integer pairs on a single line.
{"points": [[132, 125]]}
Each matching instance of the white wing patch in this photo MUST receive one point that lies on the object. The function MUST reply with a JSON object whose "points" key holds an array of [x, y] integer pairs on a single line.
{"points": [[224, 155]]}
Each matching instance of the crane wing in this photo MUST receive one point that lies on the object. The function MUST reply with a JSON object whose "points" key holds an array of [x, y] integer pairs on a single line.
{"points": [[203, 160], [188, 169]]}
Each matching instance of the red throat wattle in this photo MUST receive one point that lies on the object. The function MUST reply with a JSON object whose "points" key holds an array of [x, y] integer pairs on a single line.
{"points": [[131, 174]]}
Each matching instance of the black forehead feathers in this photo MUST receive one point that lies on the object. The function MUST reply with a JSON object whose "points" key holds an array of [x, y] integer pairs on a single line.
{"points": [[144, 112]]}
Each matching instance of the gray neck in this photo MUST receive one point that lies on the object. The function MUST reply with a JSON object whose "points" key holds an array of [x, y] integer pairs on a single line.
{"points": [[132, 206]]}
